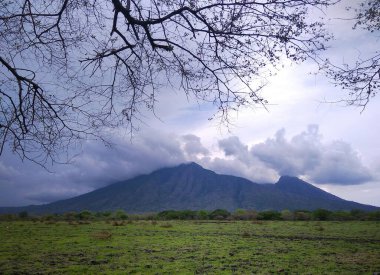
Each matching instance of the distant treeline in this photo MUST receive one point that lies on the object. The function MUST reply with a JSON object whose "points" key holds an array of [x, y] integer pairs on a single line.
{"points": [[218, 214]]}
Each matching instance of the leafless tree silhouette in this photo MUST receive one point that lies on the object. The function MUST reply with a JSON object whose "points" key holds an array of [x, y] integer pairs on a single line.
{"points": [[70, 69], [361, 79]]}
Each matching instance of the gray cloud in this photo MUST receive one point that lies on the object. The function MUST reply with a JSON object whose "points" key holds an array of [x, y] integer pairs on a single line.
{"points": [[306, 155], [340, 164], [240, 162], [293, 157], [97, 166], [100, 165], [232, 146], [303, 155], [193, 147]]}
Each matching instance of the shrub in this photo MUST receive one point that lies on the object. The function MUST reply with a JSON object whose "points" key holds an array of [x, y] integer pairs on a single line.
{"points": [[320, 228], [374, 216], [302, 216], [321, 214], [219, 214], [358, 214], [287, 215], [245, 215], [177, 215], [341, 216], [48, 217], [69, 216], [84, 215], [166, 225], [120, 215], [246, 234], [147, 216], [23, 215], [269, 215], [118, 223], [202, 215], [102, 235], [168, 215]]}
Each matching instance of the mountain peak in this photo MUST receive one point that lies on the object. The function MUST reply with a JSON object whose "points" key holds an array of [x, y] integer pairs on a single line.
{"points": [[288, 179], [192, 164]]}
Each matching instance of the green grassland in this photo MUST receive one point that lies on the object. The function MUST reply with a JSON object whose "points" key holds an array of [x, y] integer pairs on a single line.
{"points": [[190, 247]]}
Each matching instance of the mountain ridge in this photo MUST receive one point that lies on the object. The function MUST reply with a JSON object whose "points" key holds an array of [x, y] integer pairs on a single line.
{"points": [[190, 186]]}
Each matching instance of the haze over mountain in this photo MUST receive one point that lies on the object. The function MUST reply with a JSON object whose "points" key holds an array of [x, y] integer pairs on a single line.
{"points": [[190, 186]]}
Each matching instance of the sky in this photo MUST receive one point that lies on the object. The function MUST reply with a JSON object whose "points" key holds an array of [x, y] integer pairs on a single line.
{"points": [[303, 134]]}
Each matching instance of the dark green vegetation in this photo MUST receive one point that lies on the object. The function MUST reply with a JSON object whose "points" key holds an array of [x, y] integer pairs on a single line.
{"points": [[189, 186], [201, 215], [190, 247]]}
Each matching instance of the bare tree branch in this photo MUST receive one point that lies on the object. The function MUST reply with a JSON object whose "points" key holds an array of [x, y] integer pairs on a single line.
{"points": [[71, 70], [362, 79]]}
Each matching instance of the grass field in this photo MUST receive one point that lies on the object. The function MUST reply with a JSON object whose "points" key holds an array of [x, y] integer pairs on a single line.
{"points": [[190, 247]]}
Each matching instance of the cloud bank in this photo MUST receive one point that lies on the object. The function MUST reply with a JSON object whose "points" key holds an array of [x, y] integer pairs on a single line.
{"points": [[306, 155], [303, 155]]}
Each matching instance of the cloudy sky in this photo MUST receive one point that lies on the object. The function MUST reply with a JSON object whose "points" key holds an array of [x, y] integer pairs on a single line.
{"points": [[333, 146]]}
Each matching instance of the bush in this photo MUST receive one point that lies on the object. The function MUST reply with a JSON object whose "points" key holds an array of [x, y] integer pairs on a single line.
{"points": [[120, 215], [202, 215], [219, 214], [358, 214], [321, 214], [246, 234], [341, 216], [168, 215], [84, 215], [102, 235], [374, 216], [177, 215], [118, 223], [166, 225], [245, 215], [269, 215], [302, 215], [287, 215], [49, 217], [23, 215], [69, 216]]}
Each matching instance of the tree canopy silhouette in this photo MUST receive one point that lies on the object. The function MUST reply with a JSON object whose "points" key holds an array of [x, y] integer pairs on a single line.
{"points": [[72, 68], [362, 79]]}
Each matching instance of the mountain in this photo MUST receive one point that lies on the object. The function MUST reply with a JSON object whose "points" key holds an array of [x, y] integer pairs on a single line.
{"points": [[190, 186]]}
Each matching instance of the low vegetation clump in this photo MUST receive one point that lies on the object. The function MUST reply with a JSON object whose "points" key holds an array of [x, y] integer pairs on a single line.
{"points": [[118, 223], [102, 235], [246, 234], [166, 225]]}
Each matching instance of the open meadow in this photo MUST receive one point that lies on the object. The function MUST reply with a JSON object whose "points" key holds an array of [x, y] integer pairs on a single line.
{"points": [[190, 247]]}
